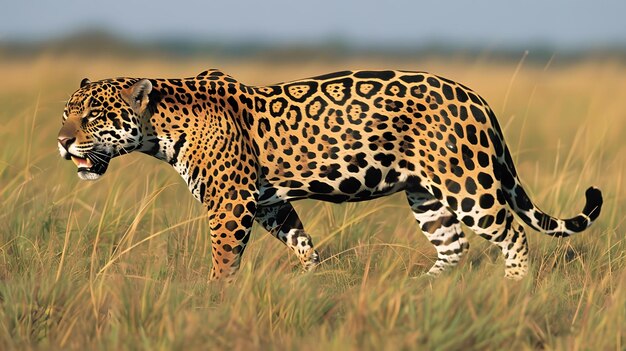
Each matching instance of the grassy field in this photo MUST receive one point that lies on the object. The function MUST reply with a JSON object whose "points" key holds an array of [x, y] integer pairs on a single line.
{"points": [[122, 263]]}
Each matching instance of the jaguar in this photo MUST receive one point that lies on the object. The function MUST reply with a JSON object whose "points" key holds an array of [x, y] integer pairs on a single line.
{"points": [[247, 152]]}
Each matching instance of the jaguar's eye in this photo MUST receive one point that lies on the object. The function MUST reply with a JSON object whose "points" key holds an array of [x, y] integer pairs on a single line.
{"points": [[93, 114]]}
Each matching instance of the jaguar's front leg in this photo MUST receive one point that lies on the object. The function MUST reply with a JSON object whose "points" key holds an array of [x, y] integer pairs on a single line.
{"points": [[282, 221], [230, 222]]}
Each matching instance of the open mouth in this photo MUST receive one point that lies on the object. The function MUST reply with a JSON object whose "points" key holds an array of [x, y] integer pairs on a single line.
{"points": [[90, 168], [83, 163]]}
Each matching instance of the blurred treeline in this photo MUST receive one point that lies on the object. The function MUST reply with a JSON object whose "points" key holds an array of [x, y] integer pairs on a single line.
{"points": [[102, 42]]}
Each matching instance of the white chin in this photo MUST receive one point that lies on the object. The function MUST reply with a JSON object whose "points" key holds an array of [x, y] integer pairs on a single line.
{"points": [[84, 175]]}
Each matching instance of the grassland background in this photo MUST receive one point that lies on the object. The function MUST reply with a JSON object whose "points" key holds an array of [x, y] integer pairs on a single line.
{"points": [[122, 263]]}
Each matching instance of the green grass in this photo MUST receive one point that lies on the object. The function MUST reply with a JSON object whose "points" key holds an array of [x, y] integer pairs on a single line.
{"points": [[122, 263]]}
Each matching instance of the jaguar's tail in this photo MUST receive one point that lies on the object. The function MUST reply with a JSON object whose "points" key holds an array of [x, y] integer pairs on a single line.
{"points": [[519, 201]]}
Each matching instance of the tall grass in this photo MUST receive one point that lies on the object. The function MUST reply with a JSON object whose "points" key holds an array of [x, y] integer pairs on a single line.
{"points": [[123, 263]]}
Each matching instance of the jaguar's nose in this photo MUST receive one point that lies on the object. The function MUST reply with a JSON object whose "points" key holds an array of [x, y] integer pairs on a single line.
{"points": [[65, 141]]}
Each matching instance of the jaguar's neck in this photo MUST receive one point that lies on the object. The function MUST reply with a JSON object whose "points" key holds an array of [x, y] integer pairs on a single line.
{"points": [[193, 113]]}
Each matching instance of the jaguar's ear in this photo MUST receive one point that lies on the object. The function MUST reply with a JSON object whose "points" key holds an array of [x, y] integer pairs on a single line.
{"points": [[137, 96], [84, 82]]}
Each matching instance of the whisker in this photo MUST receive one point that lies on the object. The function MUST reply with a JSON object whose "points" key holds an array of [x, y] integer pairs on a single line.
{"points": [[99, 153], [96, 158]]}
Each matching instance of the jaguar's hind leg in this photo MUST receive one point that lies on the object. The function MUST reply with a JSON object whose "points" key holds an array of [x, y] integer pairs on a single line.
{"points": [[441, 228], [515, 250], [509, 236], [282, 221]]}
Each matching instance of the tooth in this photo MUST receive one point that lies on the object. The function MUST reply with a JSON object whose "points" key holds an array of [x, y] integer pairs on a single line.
{"points": [[82, 162]]}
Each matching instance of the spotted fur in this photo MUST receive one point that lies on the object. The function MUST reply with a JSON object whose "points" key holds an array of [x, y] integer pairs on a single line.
{"points": [[247, 152]]}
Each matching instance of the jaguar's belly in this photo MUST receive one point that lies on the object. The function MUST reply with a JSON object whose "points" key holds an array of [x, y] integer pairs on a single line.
{"points": [[371, 184]]}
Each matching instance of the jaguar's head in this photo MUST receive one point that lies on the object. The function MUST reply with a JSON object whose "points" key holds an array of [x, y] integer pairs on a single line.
{"points": [[103, 120]]}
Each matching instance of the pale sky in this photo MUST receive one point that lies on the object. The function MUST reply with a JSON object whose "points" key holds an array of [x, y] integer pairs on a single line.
{"points": [[561, 23]]}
